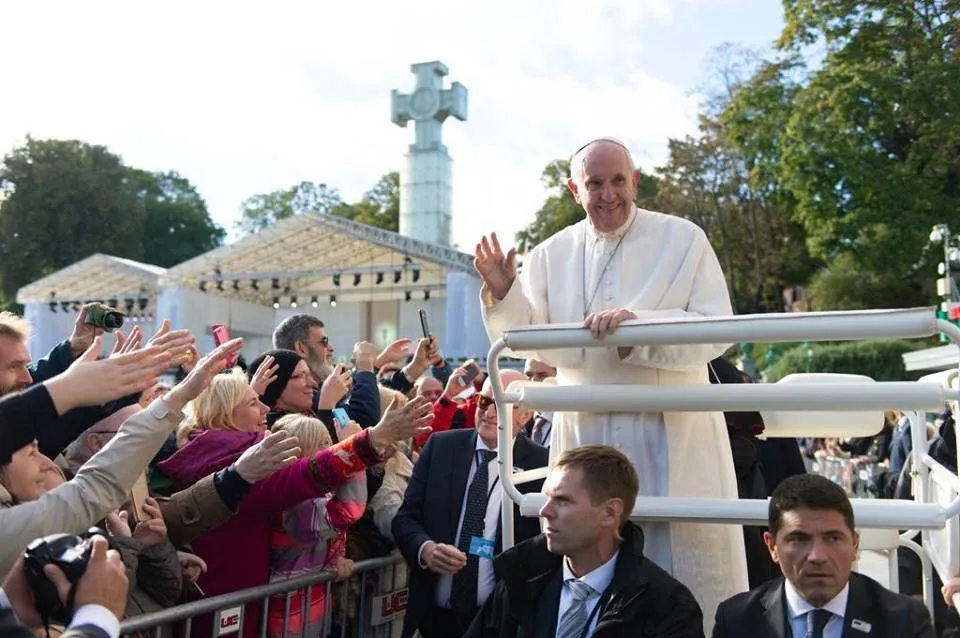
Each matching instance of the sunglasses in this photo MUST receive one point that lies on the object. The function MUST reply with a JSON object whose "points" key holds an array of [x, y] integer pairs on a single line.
{"points": [[323, 341]]}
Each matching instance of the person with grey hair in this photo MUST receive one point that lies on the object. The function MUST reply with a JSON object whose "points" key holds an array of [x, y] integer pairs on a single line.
{"points": [[307, 336], [623, 263]]}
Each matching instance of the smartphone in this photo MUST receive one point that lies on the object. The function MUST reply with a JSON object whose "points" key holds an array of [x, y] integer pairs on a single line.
{"points": [[341, 417], [220, 336], [472, 370], [423, 324], [138, 498]]}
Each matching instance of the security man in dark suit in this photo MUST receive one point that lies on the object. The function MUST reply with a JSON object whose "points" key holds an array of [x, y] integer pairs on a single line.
{"points": [[812, 537], [448, 527]]}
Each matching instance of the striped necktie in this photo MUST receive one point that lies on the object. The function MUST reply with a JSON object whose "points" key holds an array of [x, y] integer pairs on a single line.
{"points": [[574, 619]]}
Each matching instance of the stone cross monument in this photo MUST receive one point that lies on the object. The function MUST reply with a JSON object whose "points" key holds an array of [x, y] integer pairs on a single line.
{"points": [[425, 185]]}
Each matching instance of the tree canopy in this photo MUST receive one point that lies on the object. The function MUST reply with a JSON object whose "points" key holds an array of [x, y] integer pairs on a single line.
{"points": [[63, 200]]}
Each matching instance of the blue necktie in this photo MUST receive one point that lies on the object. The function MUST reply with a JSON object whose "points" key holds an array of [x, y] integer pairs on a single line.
{"points": [[574, 619], [817, 619], [463, 595]]}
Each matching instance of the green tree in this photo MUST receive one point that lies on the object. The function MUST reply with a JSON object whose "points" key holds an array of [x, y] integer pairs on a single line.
{"points": [[65, 200], [844, 286], [264, 210], [868, 145], [177, 225], [379, 207], [713, 181]]}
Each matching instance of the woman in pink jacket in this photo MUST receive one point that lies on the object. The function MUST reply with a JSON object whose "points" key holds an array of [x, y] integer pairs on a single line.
{"points": [[227, 419]]}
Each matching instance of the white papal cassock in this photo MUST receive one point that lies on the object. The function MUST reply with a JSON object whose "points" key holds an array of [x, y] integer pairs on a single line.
{"points": [[664, 267]]}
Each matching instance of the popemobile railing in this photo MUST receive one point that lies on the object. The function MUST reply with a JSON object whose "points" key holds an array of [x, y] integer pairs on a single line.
{"points": [[370, 604], [925, 512]]}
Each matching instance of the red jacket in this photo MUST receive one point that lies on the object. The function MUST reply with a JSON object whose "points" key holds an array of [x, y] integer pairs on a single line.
{"points": [[238, 552], [445, 418]]}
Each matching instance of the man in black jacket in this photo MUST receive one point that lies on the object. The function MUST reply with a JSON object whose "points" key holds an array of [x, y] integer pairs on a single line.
{"points": [[812, 538], [448, 527], [586, 574]]}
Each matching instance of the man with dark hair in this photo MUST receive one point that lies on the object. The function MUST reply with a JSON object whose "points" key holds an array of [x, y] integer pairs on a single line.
{"points": [[586, 574], [307, 336], [812, 537]]}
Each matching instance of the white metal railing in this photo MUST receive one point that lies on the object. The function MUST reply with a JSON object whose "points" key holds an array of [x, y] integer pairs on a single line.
{"points": [[912, 398]]}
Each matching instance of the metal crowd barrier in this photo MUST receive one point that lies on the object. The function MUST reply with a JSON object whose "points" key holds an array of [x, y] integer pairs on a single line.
{"points": [[371, 604], [931, 510]]}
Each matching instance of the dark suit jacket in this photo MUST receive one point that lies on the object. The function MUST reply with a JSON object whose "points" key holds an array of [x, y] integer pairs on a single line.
{"points": [[763, 612], [432, 503], [10, 628]]}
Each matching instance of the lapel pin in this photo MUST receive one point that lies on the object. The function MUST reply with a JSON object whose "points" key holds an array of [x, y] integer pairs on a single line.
{"points": [[860, 625]]}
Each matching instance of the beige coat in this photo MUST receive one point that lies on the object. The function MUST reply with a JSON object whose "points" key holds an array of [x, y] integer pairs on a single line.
{"points": [[665, 268], [101, 486]]}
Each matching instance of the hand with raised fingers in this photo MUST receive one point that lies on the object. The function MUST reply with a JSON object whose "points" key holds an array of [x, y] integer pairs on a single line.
{"points": [[93, 381], [265, 375], [202, 374], [496, 269], [275, 451], [401, 423], [128, 343]]}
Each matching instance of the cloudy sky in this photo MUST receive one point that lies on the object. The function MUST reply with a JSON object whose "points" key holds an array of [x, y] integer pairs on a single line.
{"points": [[246, 97]]}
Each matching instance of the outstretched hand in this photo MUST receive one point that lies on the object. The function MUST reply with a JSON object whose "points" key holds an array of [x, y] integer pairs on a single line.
{"points": [[202, 374], [495, 269], [93, 381]]}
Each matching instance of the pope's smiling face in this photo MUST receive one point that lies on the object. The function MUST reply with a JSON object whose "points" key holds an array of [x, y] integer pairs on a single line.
{"points": [[607, 185]]}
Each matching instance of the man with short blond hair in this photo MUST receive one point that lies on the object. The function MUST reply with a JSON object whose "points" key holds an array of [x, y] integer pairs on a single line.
{"points": [[587, 569]]}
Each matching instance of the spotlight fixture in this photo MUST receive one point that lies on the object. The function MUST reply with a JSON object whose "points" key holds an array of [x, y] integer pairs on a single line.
{"points": [[397, 274], [356, 279], [416, 275], [113, 302], [65, 306], [76, 306], [336, 279], [129, 304], [236, 286], [407, 296], [254, 284], [379, 278], [142, 303], [53, 306], [293, 301], [276, 302], [333, 301], [275, 284], [314, 302], [426, 295], [220, 285]]}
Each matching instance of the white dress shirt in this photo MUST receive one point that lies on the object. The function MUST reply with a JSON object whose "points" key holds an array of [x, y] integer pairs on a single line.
{"points": [[797, 609], [95, 615], [486, 579], [599, 579]]}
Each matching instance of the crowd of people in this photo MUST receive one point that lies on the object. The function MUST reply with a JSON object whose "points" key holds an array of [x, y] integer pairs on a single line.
{"points": [[241, 475]]}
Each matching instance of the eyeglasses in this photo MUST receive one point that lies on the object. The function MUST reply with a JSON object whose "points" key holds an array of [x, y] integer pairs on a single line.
{"points": [[323, 341]]}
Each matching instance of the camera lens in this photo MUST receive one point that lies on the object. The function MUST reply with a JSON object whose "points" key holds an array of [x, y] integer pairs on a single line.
{"points": [[112, 320]]}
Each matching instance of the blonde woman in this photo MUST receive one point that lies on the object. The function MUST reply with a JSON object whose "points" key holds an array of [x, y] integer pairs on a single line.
{"points": [[312, 535], [225, 420]]}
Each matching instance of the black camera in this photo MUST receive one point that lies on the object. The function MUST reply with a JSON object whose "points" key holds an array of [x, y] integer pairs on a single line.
{"points": [[68, 552], [103, 317]]}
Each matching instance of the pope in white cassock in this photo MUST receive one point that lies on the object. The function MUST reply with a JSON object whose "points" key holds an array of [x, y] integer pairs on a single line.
{"points": [[624, 263]]}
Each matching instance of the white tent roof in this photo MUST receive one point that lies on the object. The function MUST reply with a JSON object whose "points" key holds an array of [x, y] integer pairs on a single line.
{"points": [[299, 257], [98, 277]]}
